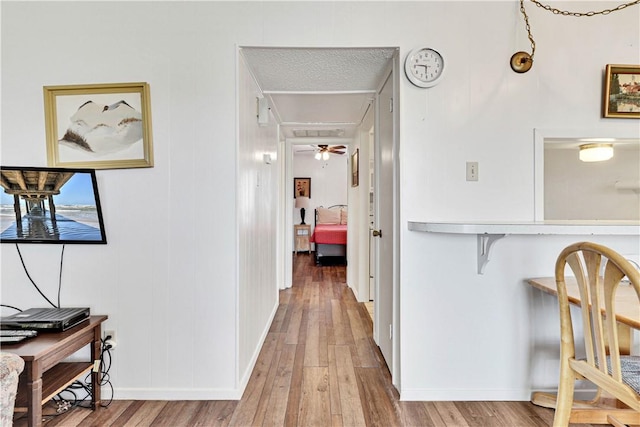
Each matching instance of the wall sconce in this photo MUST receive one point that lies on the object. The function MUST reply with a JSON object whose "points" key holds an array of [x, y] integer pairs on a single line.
{"points": [[596, 152]]}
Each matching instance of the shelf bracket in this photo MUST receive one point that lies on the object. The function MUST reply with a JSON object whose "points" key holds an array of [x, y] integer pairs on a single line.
{"points": [[485, 242]]}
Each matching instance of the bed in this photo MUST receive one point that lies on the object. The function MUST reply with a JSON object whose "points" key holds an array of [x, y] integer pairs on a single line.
{"points": [[330, 234]]}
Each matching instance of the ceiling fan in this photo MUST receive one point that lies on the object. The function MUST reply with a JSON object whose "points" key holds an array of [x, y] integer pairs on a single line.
{"points": [[324, 150]]}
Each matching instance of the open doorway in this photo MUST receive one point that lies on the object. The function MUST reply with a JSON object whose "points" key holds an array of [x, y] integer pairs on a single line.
{"points": [[324, 167], [312, 105]]}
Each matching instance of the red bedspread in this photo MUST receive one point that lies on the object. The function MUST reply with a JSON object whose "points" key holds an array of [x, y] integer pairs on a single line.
{"points": [[330, 234]]}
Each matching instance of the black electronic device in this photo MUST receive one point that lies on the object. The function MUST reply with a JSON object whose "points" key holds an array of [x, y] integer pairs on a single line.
{"points": [[46, 319], [50, 205]]}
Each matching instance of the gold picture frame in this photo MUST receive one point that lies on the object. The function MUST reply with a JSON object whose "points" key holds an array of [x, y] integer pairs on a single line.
{"points": [[301, 187], [99, 126], [622, 91], [355, 168]]}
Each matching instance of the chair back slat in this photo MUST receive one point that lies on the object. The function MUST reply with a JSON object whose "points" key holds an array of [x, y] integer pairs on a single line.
{"points": [[579, 271]]}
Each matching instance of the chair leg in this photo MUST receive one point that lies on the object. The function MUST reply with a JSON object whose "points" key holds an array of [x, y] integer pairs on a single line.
{"points": [[614, 422], [565, 395]]}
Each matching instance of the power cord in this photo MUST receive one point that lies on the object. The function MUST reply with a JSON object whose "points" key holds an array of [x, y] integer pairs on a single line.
{"points": [[11, 307], [24, 266], [66, 403]]}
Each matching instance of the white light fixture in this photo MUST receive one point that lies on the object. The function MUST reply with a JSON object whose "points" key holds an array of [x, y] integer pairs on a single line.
{"points": [[595, 152], [325, 155], [318, 156]]}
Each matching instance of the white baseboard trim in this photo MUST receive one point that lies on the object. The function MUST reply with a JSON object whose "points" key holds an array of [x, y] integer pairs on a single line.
{"points": [[431, 395], [467, 395], [244, 380], [173, 394]]}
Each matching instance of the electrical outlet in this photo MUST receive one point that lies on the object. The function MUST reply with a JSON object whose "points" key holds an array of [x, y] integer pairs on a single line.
{"points": [[472, 171], [112, 338]]}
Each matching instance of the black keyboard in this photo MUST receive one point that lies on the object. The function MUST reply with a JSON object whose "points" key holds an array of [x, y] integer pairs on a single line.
{"points": [[18, 333], [12, 336]]}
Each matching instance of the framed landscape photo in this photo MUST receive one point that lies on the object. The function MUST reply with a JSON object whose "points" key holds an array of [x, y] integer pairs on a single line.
{"points": [[301, 187], [622, 91], [99, 126]]}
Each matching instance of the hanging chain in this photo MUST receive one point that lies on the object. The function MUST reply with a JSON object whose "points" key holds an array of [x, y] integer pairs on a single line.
{"points": [[580, 14], [528, 27], [565, 13]]}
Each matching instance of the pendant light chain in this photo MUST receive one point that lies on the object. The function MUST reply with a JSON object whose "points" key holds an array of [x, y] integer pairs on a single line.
{"points": [[581, 14], [521, 62], [528, 27]]}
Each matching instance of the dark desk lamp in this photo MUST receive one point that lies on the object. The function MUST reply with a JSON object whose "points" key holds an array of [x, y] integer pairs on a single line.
{"points": [[302, 203]]}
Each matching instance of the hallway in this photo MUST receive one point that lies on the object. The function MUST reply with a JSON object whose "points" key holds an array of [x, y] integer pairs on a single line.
{"points": [[319, 365]]}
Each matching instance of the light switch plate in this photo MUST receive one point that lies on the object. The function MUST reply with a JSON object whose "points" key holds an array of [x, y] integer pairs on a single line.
{"points": [[472, 171]]}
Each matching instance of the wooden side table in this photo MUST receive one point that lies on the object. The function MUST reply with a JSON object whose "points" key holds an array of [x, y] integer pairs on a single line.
{"points": [[302, 233], [44, 375]]}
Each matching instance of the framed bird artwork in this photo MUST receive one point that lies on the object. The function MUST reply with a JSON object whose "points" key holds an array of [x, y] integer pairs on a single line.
{"points": [[100, 126]]}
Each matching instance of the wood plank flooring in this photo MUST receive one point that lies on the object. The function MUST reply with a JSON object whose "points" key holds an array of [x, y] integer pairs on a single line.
{"points": [[319, 366]]}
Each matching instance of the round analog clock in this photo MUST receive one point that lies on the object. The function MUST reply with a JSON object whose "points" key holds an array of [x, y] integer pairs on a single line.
{"points": [[424, 67]]}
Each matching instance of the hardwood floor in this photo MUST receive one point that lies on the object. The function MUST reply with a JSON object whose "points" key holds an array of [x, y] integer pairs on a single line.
{"points": [[319, 366]]}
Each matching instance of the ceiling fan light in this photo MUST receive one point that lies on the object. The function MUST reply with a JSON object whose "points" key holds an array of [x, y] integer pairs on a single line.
{"points": [[325, 155], [596, 152], [318, 156]]}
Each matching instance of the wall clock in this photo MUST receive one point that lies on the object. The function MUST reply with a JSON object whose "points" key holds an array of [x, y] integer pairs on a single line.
{"points": [[424, 67]]}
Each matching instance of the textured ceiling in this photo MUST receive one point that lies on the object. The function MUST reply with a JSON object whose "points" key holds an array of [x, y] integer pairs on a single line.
{"points": [[319, 88], [318, 69]]}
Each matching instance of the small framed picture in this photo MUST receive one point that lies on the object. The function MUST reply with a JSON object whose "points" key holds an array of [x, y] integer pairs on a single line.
{"points": [[301, 187], [355, 168], [99, 126], [622, 91]]}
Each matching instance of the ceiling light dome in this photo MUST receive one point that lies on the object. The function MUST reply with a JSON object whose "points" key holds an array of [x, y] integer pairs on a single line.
{"points": [[596, 152]]}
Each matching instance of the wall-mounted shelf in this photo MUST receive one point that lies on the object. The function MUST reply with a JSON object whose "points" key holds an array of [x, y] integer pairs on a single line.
{"points": [[489, 232]]}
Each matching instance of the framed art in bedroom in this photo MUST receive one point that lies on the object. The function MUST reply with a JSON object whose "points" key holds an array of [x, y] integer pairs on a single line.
{"points": [[355, 168], [98, 126], [622, 91], [301, 187]]}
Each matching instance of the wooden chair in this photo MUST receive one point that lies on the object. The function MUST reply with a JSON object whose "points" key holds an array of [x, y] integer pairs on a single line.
{"points": [[598, 271]]}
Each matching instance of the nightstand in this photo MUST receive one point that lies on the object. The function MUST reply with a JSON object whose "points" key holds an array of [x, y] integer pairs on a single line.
{"points": [[301, 233]]}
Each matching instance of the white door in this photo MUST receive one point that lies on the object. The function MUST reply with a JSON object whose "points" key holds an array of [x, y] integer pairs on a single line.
{"points": [[383, 200]]}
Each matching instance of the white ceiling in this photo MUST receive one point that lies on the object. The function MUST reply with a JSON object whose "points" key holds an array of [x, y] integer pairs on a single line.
{"points": [[319, 92]]}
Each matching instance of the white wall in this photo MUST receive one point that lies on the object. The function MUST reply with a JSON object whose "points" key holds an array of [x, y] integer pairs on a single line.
{"points": [[257, 204], [169, 277]]}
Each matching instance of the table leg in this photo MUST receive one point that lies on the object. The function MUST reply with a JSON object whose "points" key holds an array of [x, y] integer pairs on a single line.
{"points": [[34, 393], [95, 373]]}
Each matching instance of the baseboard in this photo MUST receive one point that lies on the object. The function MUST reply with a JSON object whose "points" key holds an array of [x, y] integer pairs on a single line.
{"points": [[172, 394], [244, 380], [469, 395], [459, 395]]}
